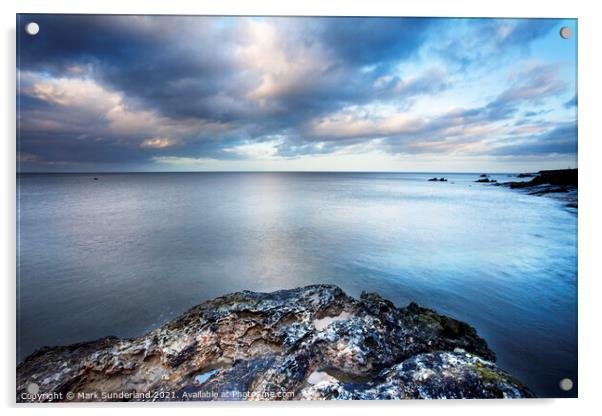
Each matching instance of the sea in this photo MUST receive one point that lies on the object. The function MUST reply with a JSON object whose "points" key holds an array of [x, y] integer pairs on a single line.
{"points": [[121, 253]]}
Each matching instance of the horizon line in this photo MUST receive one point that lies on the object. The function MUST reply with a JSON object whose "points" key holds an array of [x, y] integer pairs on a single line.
{"points": [[281, 171]]}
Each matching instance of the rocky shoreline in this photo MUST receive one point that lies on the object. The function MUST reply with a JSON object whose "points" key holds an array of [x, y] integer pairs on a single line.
{"points": [[306, 343], [559, 184]]}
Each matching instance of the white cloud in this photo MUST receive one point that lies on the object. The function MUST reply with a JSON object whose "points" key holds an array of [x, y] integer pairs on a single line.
{"points": [[71, 92], [83, 100], [157, 142], [357, 123], [281, 68], [185, 162], [259, 150]]}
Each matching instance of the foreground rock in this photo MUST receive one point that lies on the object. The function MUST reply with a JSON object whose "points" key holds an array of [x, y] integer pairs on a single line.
{"points": [[306, 343]]}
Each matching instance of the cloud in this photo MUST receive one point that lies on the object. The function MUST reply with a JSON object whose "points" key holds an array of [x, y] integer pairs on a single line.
{"points": [[431, 81], [79, 120], [561, 139], [261, 150], [534, 83], [374, 42], [280, 70], [182, 161], [458, 130], [573, 102], [75, 93], [482, 44], [142, 89], [354, 124], [157, 142]]}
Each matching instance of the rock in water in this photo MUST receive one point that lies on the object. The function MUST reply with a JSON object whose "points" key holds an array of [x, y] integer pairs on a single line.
{"points": [[313, 342]]}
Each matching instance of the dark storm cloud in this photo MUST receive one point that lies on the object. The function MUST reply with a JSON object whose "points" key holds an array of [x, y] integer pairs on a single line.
{"points": [[184, 66], [378, 41], [196, 87], [174, 64]]}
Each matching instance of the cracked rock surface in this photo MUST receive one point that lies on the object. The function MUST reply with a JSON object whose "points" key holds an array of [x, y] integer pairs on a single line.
{"points": [[313, 342]]}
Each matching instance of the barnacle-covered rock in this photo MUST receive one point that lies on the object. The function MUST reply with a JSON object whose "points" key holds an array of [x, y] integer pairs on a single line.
{"points": [[313, 342]]}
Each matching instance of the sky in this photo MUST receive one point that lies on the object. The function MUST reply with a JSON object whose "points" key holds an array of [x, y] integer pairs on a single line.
{"points": [[200, 93]]}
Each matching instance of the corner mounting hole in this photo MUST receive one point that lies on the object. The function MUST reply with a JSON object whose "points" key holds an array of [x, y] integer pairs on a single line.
{"points": [[566, 384], [32, 28], [565, 32], [33, 388]]}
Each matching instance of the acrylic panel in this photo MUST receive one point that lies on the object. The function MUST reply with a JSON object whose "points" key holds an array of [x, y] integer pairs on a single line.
{"points": [[295, 208]]}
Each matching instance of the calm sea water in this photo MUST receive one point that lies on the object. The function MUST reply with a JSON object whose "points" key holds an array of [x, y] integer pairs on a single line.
{"points": [[127, 252]]}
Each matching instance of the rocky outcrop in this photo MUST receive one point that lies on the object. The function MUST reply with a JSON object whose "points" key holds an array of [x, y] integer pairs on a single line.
{"points": [[560, 184], [560, 179], [306, 343]]}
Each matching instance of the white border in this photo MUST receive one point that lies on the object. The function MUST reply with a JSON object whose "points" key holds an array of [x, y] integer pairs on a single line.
{"points": [[590, 71]]}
